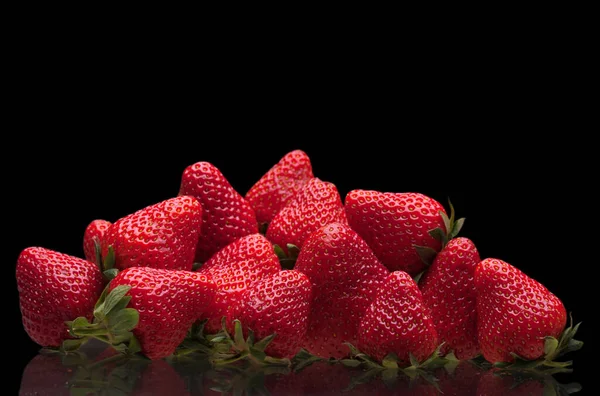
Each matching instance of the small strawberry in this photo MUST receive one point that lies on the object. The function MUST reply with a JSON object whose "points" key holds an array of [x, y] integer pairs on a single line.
{"points": [[227, 216], [234, 269], [393, 223], [278, 304], [163, 235], [449, 292], [398, 321], [95, 230], [316, 205], [54, 288], [515, 313], [279, 185], [345, 275]]}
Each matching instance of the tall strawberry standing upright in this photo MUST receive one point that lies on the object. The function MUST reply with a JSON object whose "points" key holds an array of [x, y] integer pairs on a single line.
{"points": [[281, 183], [227, 216], [94, 233]]}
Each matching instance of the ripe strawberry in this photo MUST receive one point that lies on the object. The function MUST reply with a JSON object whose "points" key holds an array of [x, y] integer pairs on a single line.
{"points": [[398, 321], [279, 185], [168, 303], [163, 235], [234, 269], [345, 276], [54, 288], [96, 229], [227, 216], [316, 205], [280, 304], [449, 292], [514, 312], [392, 223]]}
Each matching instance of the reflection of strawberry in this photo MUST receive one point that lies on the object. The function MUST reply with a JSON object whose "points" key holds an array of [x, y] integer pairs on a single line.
{"points": [[462, 381], [46, 375], [96, 229], [493, 384], [159, 378], [279, 185], [54, 288]]}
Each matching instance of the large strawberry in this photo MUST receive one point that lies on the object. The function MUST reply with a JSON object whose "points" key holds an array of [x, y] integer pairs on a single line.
{"points": [[163, 235], [54, 288], [398, 322], [316, 205], [234, 269], [345, 275], [515, 313], [227, 215], [94, 231], [279, 185], [449, 292], [393, 223]]}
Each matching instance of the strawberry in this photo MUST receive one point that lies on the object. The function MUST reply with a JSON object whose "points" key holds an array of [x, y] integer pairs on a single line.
{"points": [[279, 185], [227, 216], [234, 269], [278, 304], [398, 321], [54, 288], [345, 276], [316, 205], [95, 230], [168, 303], [163, 235], [449, 292], [393, 223], [514, 313]]}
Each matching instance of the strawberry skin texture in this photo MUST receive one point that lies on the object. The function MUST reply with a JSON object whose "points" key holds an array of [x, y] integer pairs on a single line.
{"points": [[279, 185], [279, 303], [227, 216], [54, 288], [163, 235], [345, 276], [398, 321], [449, 291], [391, 223], [234, 269], [514, 312], [316, 205], [168, 302], [96, 229]]}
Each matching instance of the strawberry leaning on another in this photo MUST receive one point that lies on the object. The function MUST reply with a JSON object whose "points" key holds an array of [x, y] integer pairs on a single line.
{"points": [[392, 223], [168, 303], [316, 205], [54, 288], [279, 185], [163, 235], [345, 276], [234, 269], [227, 216], [449, 291], [514, 313], [96, 229], [398, 321]]}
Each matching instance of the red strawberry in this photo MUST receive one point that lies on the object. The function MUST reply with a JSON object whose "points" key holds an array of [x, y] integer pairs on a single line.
{"points": [[54, 288], [514, 313], [449, 292], [398, 321], [279, 185], [163, 235], [392, 223], [168, 303], [234, 269], [316, 205], [345, 275], [279, 303], [227, 215], [96, 229]]}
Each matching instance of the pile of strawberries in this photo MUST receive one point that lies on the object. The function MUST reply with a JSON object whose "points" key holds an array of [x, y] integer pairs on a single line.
{"points": [[290, 271]]}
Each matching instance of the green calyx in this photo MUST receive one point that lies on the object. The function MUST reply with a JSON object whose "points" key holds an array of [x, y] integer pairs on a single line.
{"points": [[112, 324], [107, 266], [287, 261]]}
